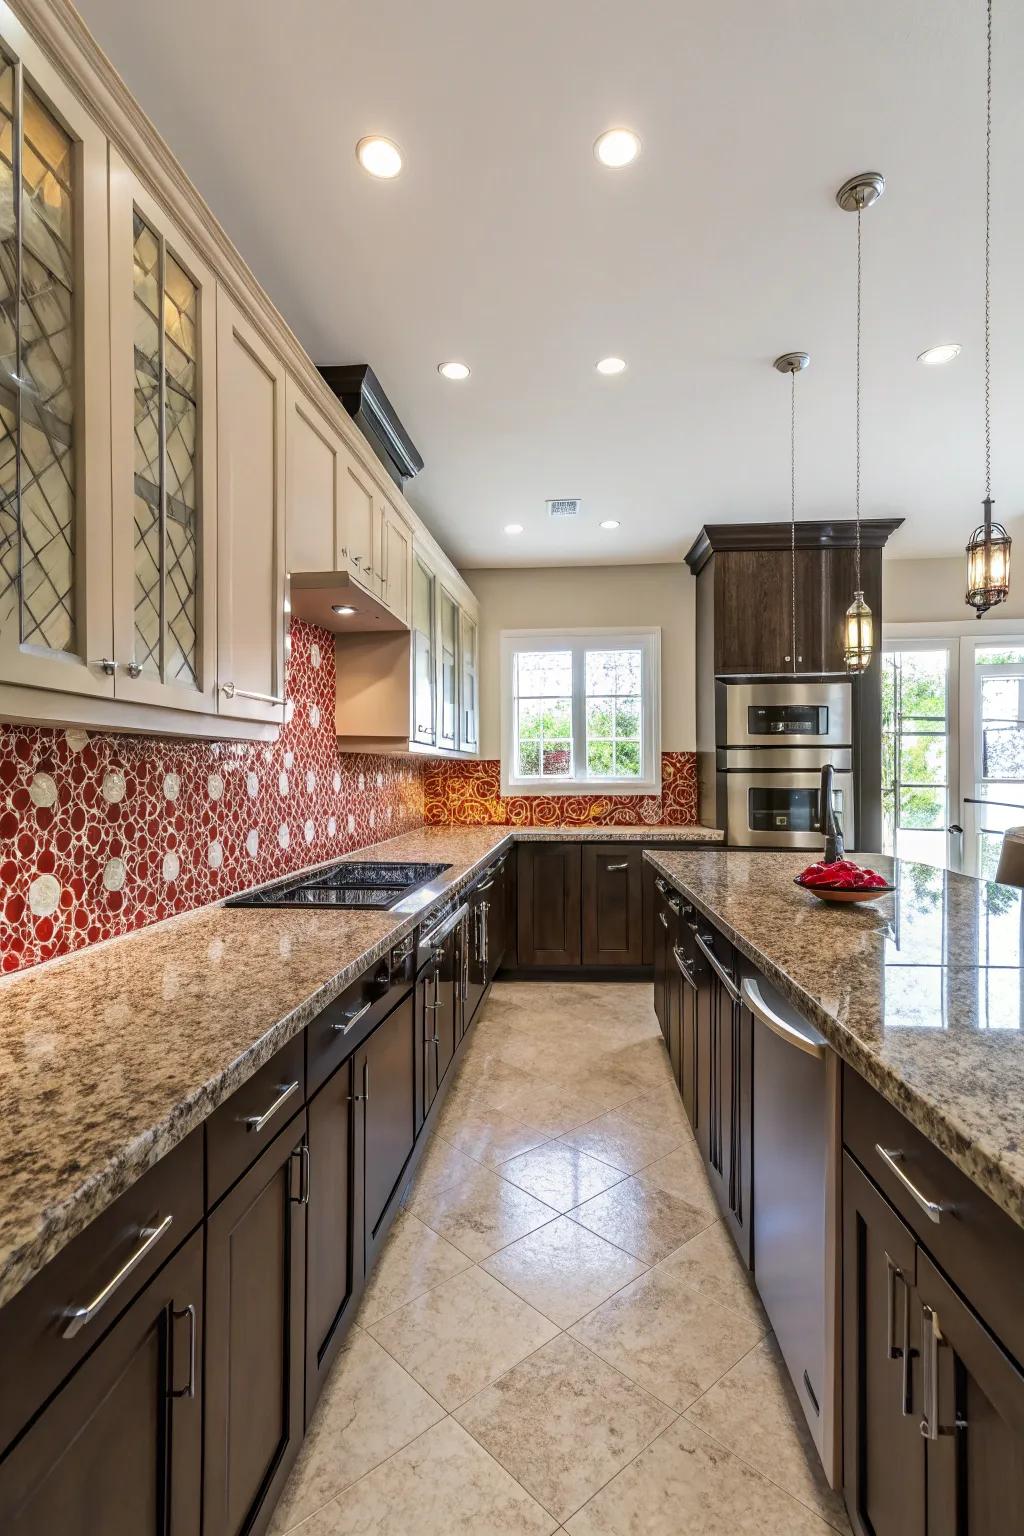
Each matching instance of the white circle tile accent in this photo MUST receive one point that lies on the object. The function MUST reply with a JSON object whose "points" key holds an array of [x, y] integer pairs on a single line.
{"points": [[115, 872], [283, 835], [42, 790], [76, 739], [289, 711], [314, 656], [332, 826], [289, 758], [314, 716], [113, 787], [362, 781], [310, 781], [172, 786], [282, 783], [172, 867], [336, 781], [309, 831], [215, 855], [214, 786], [252, 785], [373, 819], [44, 895], [252, 843], [351, 822], [380, 781]]}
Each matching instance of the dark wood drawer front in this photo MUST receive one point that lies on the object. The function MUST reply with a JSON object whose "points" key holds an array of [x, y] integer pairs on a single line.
{"points": [[334, 1034], [239, 1130], [980, 1248], [33, 1348]]}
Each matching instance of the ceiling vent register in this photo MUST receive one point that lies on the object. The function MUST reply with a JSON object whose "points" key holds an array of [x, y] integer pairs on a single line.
{"points": [[564, 506]]}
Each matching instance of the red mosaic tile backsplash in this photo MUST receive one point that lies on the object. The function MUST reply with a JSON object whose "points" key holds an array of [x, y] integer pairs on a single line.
{"points": [[469, 794], [100, 834]]}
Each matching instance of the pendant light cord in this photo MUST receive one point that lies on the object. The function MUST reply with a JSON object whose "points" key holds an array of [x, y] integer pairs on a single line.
{"points": [[792, 512], [988, 255], [857, 584]]}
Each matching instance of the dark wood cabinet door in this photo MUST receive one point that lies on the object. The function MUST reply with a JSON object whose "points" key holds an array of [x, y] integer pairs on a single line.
{"points": [[385, 1071], [674, 989], [438, 1004], [334, 1217], [752, 610], [687, 1030], [118, 1451], [612, 904], [549, 905], [883, 1450], [494, 922], [255, 1307], [661, 955], [740, 1121], [972, 1402]]}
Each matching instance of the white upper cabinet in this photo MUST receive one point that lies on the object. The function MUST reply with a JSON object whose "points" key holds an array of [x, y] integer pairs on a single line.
{"points": [[55, 616], [314, 469], [357, 521], [251, 390], [395, 560], [469, 713], [163, 338]]}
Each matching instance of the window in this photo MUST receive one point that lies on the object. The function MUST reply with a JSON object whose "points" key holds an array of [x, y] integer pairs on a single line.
{"points": [[998, 800], [916, 752], [581, 711]]}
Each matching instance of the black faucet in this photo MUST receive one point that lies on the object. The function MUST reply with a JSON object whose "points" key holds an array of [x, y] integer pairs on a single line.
{"points": [[834, 845]]}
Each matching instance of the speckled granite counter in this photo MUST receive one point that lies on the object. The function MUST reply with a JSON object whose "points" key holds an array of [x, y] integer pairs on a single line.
{"points": [[922, 991], [110, 1057]]}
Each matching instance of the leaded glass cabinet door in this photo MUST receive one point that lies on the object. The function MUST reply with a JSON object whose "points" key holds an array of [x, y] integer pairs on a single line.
{"points": [[424, 672], [163, 347], [447, 670], [55, 605], [469, 733]]}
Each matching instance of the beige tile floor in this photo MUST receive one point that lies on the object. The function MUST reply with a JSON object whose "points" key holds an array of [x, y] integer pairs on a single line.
{"points": [[558, 1336]]}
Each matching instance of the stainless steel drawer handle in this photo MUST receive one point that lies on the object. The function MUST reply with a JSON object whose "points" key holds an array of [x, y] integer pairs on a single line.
{"points": [[932, 1209], [931, 1427], [684, 966], [611, 867], [718, 968], [257, 1122], [352, 1019], [675, 904], [79, 1316], [750, 994], [663, 920], [302, 1153], [659, 885], [444, 927], [231, 692], [189, 1389]]}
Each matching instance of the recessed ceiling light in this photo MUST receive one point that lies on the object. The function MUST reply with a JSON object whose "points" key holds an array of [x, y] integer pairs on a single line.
{"points": [[611, 365], [513, 527], [610, 522], [453, 370], [616, 147], [942, 354], [343, 608], [380, 157]]}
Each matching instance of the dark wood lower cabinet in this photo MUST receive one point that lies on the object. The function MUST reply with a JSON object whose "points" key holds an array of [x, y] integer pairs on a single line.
{"points": [[438, 1008], [255, 1309], [548, 897], [118, 1450], [612, 891], [385, 1076], [334, 1224]]}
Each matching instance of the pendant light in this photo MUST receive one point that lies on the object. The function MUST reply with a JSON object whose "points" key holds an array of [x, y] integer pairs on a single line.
{"points": [[792, 363], [988, 551], [860, 192]]}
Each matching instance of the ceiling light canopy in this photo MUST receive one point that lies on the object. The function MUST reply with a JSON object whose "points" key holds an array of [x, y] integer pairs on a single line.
{"points": [[380, 157], [617, 147], [610, 522], [453, 370], [610, 365], [941, 354], [513, 527]]}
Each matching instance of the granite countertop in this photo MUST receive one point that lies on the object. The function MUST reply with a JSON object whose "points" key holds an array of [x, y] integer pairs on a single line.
{"points": [[921, 991], [109, 1057]]}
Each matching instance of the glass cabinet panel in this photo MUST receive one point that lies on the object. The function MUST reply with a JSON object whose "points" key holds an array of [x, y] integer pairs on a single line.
{"points": [[448, 638], [424, 587], [37, 364], [165, 428], [469, 737]]}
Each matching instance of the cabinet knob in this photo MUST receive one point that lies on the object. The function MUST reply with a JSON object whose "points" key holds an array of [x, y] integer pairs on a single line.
{"points": [[134, 669]]}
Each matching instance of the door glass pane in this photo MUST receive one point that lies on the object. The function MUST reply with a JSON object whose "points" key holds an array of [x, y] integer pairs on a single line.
{"points": [[449, 633], [614, 688], [423, 650], [181, 413], [37, 360], [469, 684], [542, 688], [915, 753]]}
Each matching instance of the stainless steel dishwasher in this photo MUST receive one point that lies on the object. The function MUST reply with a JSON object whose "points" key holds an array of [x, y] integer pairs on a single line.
{"points": [[795, 1180]]}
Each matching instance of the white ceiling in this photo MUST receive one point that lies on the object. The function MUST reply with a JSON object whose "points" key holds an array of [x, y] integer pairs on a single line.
{"points": [[505, 244]]}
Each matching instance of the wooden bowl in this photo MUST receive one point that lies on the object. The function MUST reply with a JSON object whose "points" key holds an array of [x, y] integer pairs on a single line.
{"points": [[826, 893]]}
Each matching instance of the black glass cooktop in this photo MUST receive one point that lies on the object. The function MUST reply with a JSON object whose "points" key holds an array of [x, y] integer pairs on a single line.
{"points": [[349, 884]]}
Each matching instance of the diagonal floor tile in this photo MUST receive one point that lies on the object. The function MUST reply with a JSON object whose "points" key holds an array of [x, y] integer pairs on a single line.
{"points": [[682, 1173], [710, 1264], [624, 1143], [483, 1213], [412, 1260], [684, 1482], [648, 1222], [369, 1409], [460, 1336], [492, 1136], [441, 1166], [662, 1110], [563, 1270], [753, 1411], [552, 1109], [563, 1422], [560, 1175], [443, 1484], [671, 1340]]}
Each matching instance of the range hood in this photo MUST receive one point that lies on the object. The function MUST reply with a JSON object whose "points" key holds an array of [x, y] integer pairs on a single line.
{"points": [[358, 388]]}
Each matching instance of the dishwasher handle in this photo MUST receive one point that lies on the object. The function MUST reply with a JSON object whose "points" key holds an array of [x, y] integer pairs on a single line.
{"points": [[751, 996]]}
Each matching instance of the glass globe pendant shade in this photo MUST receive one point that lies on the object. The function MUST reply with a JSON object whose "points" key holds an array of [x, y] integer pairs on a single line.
{"points": [[860, 634], [988, 564]]}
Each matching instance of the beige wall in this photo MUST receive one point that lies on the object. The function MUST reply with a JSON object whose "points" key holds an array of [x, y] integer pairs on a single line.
{"points": [[932, 591], [575, 597]]}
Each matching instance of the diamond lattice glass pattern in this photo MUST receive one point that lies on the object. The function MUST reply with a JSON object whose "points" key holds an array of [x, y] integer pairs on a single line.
{"points": [[180, 419], [37, 355], [148, 477]]}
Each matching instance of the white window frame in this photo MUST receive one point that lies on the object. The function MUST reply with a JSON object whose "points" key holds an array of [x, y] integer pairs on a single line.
{"points": [[578, 641]]}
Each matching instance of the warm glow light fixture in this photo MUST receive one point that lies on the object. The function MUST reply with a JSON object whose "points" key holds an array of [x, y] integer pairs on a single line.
{"points": [[513, 527], [617, 147], [860, 192], [344, 609], [988, 549], [610, 523], [453, 370], [610, 365], [379, 157], [945, 353]]}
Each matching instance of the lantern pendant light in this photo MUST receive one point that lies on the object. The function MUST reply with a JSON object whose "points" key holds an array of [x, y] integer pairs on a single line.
{"points": [[792, 363], [860, 192], [988, 551]]}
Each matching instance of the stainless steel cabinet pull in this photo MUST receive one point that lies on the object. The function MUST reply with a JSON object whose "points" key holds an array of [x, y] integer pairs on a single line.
{"points": [[486, 885], [663, 920], [79, 1316], [352, 1019], [106, 665], [675, 904], [892, 1273], [717, 966], [231, 692], [623, 865], [189, 1390], [930, 1422], [900, 1351], [302, 1153], [659, 885], [684, 966], [750, 994], [257, 1122], [932, 1209], [485, 946], [361, 1098], [444, 928]]}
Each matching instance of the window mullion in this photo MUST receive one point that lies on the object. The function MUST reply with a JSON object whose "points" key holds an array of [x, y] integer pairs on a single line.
{"points": [[579, 711]]}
